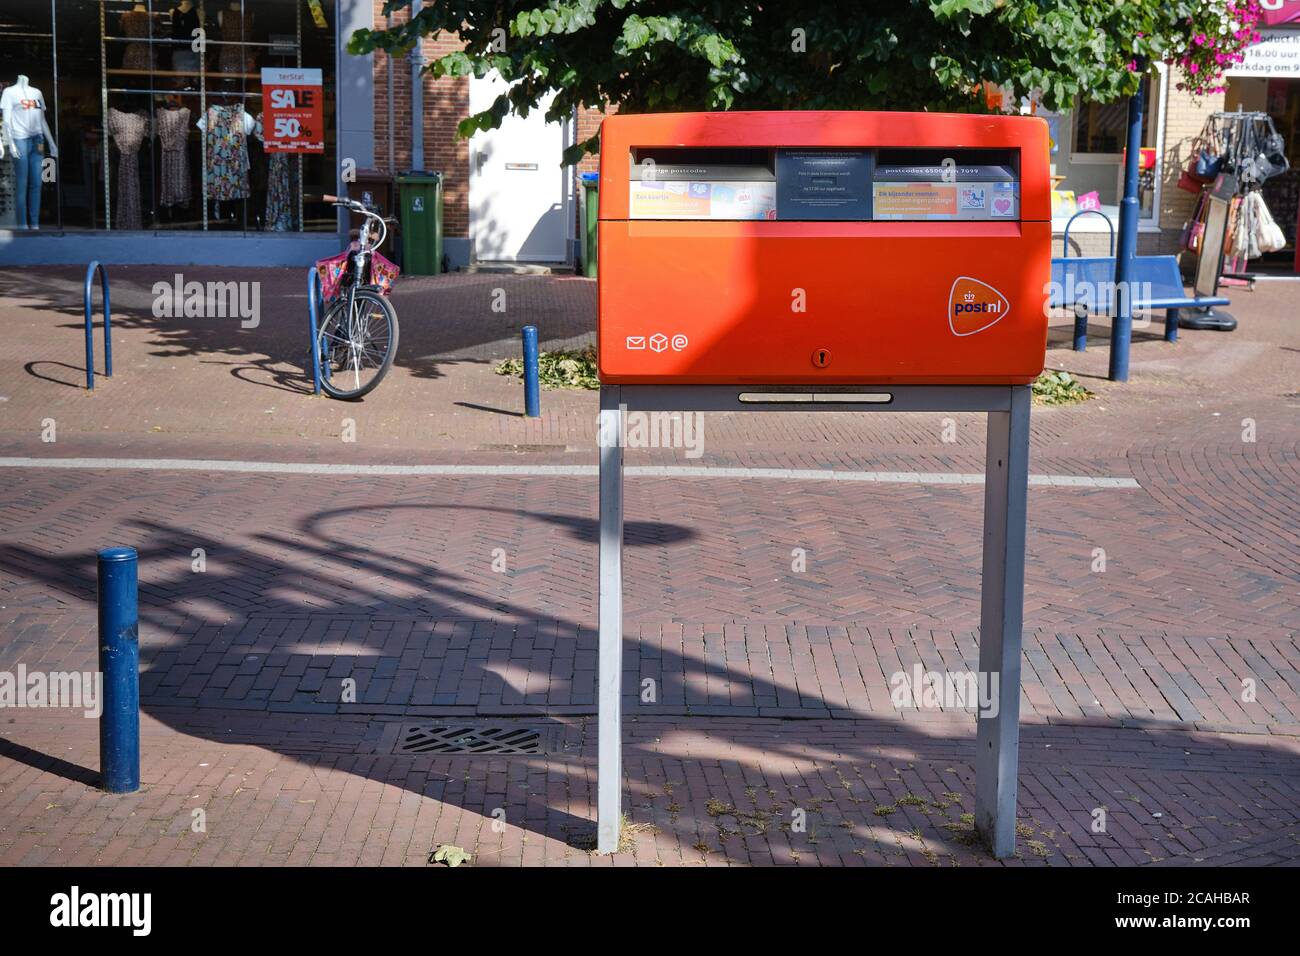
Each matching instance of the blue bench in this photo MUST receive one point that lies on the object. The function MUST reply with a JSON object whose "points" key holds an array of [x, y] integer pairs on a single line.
{"points": [[1087, 284]]}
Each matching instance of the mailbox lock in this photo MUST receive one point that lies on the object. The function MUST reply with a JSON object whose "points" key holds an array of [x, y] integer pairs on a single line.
{"points": [[821, 358]]}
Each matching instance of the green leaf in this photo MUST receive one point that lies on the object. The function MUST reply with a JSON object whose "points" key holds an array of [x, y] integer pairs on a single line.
{"points": [[451, 855], [636, 33]]}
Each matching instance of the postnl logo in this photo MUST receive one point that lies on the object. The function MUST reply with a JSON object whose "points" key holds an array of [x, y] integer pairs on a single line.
{"points": [[974, 306]]}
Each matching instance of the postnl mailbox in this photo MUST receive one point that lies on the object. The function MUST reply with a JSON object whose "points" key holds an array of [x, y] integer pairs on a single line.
{"points": [[823, 247]]}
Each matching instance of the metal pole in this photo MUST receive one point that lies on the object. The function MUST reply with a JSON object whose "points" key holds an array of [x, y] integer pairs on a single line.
{"points": [[90, 334], [119, 662], [532, 392], [1122, 328], [313, 295], [416, 56], [997, 734], [108, 322], [609, 757]]}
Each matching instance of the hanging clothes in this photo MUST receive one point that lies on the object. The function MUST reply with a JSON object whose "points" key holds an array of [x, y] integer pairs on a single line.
{"points": [[138, 56], [236, 27], [129, 131], [173, 137], [279, 188], [225, 148]]}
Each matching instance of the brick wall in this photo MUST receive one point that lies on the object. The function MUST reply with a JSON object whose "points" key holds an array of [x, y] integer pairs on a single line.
{"points": [[1184, 117], [446, 102], [589, 121]]}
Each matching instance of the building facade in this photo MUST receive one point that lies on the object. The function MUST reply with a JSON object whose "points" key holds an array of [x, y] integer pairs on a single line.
{"points": [[128, 174]]}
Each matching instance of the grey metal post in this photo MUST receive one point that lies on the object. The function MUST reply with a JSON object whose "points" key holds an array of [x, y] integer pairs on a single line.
{"points": [[609, 759], [997, 736], [416, 58]]}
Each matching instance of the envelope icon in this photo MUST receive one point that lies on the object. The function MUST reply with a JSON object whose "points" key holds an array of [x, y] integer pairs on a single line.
{"points": [[636, 341]]}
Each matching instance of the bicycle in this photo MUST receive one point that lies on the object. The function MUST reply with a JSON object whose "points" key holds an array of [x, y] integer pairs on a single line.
{"points": [[357, 339]]}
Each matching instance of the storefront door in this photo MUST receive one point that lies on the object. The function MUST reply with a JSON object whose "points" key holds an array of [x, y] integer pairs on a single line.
{"points": [[518, 191]]}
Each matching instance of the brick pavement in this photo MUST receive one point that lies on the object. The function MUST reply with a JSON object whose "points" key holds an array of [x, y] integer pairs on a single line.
{"points": [[1133, 677], [311, 580], [281, 790]]}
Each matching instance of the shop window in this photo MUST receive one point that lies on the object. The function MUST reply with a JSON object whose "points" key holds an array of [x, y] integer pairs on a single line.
{"points": [[28, 92], [1101, 128], [156, 106], [1087, 158]]}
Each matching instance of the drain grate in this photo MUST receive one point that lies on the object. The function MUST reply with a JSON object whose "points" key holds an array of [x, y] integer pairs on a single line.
{"points": [[444, 738]]}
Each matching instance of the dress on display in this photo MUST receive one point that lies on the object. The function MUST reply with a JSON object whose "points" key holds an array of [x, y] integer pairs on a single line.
{"points": [[129, 131], [8, 180], [173, 137], [235, 29], [184, 23], [138, 56], [279, 189], [8, 193], [226, 152]]}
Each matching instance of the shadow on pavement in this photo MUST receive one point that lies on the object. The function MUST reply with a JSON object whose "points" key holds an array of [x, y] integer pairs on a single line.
{"points": [[921, 775]]}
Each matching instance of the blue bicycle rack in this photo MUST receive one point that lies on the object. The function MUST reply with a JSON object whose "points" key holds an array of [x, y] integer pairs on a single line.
{"points": [[1092, 270], [1065, 239], [314, 296], [90, 339]]}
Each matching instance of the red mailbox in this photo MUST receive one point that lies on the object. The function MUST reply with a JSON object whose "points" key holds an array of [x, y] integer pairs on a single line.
{"points": [[823, 247]]}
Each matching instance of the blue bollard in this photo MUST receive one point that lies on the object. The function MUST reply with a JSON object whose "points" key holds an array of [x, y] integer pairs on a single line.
{"points": [[119, 662], [1121, 326], [532, 390]]}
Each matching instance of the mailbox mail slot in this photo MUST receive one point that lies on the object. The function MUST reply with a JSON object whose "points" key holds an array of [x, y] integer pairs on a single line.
{"points": [[823, 248]]}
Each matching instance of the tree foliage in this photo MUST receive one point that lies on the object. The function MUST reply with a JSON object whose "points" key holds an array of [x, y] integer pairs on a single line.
{"points": [[675, 55]]}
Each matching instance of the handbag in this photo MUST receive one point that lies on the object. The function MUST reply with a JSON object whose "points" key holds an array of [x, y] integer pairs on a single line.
{"points": [[1194, 229], [1189, 183], [1208, 165], [1268, 234]]}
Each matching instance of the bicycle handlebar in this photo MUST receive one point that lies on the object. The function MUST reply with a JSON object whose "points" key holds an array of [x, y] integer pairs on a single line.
{"points": [[368, 213]]}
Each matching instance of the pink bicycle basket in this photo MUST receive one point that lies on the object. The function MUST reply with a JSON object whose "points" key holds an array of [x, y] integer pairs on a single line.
{"points": [[383, 273]]}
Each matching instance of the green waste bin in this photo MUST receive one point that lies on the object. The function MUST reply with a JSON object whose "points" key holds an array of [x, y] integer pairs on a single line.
{"points": [[421, 217], [590, 207]]}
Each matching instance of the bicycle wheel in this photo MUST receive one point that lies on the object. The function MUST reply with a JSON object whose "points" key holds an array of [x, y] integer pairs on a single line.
{"points": [[357, 349]]}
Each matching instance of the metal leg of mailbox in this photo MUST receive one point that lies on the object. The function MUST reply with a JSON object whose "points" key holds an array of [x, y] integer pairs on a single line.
{"points": [[609, 761], [997, 736]]}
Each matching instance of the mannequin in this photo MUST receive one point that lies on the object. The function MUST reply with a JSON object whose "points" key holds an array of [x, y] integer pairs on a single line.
{"points": [[185, 20], [23, 106]]}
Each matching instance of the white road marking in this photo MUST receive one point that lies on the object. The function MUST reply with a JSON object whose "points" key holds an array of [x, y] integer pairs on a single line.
{"points": [[551, 471]]}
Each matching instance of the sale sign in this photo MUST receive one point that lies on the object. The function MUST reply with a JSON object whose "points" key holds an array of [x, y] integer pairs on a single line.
{"points": [[293, 111]]}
